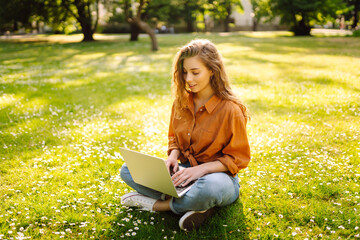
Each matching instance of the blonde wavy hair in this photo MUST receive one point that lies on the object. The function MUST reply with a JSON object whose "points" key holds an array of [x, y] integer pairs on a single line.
{"points": [[211, 58]]}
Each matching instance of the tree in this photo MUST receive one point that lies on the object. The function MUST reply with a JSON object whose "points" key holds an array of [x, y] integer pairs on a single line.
{"points": [[138, 22], [189, 10], [25, 12], [157, 12], [222, 9], [228, 4], [128, 14], [82, 10], [261, 11], [302, 14], [19, 11], [352, 12], [143, 14], [56, 16]]}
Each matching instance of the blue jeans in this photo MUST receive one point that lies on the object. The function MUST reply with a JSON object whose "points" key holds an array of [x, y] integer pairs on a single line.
{"points": [[212, 190]]}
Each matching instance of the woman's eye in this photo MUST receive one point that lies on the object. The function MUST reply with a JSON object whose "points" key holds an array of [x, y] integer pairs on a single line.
{"points": [[196, 73]]}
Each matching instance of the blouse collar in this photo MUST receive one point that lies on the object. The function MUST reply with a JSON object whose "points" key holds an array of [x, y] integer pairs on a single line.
{"points": [[209, 105]]}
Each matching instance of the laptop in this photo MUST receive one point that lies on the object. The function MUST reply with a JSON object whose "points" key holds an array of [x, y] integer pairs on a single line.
{"points": [[152, 172]]}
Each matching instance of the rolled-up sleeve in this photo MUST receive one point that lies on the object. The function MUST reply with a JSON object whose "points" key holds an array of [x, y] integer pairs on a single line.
{"points": [[236, 154], [171, 136]]}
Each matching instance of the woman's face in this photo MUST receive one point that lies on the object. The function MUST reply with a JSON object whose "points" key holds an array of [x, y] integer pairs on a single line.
{"points": [[196, 75]]}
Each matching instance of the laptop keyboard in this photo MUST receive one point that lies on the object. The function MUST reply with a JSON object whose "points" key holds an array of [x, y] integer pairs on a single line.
{"points": [[179, 189]]}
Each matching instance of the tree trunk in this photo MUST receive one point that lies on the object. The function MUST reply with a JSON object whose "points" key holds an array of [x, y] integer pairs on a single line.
{"points": [[86, 23], [302, 28], [226, 25], [255, 24], [146, 28], [84, 17], [134, 31], [189, 19], [87, 32], [15, 26], [227, 19], [88, 36], [356, 14], [205, 22], [189, 27]]}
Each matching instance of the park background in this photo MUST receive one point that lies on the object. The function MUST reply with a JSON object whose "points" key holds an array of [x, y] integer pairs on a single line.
{"points": [[68, 102]]}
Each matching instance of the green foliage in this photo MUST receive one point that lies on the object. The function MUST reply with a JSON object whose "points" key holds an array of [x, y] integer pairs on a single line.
{"points": [[163, 11], [356, 33], [117, 18], [115, 28], [189, 10], [57, 17], [261, 8], [66, 107], [19, 11], [51, 13], [83, 11], [351, 12], [219, 9], [262, 11], [301, 15]]}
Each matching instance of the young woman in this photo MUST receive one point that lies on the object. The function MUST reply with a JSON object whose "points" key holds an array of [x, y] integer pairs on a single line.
{"points": [[207, 134]]}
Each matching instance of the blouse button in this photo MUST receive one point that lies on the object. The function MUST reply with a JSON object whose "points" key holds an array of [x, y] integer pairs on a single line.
{"points": [[188, 134]]}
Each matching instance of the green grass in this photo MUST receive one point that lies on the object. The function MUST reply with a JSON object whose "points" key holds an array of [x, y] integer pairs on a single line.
{"points": [[66, 108]]}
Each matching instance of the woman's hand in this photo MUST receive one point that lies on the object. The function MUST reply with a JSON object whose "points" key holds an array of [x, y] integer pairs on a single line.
{"points": [[192, 173], [172, 164], [172, 161], [187, 175]]}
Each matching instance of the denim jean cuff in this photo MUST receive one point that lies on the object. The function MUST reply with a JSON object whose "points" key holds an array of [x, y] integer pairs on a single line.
{"points": [[172, 207], [163, 196]]}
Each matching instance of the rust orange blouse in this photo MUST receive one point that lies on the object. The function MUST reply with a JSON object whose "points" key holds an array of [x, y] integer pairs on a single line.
{"points": [[216, 132]]}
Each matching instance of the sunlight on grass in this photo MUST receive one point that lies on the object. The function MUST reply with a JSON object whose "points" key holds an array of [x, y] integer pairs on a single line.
{"points": [[17, 61], [79, 82], [66, 108], [34, 105], [21, 129], [267, 34], [9, 99], [85, 57]]}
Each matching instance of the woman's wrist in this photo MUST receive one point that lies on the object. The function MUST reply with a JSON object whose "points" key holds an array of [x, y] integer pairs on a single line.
{"points": [[174, 154], [211, 167], [203, 169]]}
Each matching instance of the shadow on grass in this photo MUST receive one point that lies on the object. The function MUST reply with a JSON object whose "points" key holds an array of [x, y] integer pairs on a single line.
{"points": [[332, 46], [227, 223], [77, 88], [62, 107], [78, 92]]}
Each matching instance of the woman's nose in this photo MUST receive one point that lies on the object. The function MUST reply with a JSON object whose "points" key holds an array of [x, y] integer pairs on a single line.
{"points": [[188, 78]]}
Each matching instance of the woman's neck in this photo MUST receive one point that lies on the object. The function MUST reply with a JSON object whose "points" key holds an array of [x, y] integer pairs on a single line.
{"points": [[202, 97]]}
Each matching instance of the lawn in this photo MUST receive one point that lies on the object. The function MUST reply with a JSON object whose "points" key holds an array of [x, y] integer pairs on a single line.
{"points": [[66, 107]]}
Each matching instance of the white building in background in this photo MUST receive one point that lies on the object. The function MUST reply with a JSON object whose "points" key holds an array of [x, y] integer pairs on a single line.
{"points": [[244, 18]]}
